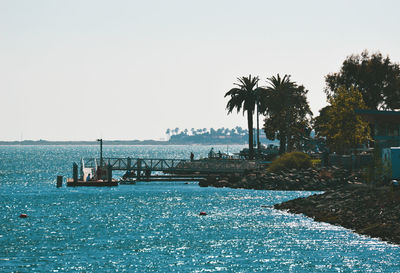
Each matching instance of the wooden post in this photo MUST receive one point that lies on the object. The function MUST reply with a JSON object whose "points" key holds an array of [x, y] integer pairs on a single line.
{"points": [[75, 172], [109, 173], [59, 181]]}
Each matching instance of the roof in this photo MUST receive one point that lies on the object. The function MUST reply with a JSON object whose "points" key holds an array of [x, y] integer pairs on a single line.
{"points": [[376, 116]]}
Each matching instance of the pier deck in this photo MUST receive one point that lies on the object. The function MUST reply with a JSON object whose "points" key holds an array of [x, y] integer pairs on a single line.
{"points": [[173, 166]]}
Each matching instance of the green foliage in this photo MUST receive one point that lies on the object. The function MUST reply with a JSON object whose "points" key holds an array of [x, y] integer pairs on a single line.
{"points": [[293, 160], [340, 125], [288, 113], [321, 121], [316, 162], [377, 78], [245, 96]]}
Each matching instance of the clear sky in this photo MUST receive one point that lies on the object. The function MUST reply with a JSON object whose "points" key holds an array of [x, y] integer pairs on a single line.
{"points": [[84, 69]]}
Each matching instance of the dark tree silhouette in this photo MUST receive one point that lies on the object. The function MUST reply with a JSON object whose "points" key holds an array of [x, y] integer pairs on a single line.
{"points": [[244, 96], [288, 113], [377, 78]]}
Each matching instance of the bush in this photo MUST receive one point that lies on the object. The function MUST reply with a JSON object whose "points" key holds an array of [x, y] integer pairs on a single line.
{"points": [[293, 160], [316, 162]]}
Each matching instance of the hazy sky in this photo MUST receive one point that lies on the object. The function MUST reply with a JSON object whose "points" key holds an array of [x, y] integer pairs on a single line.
{"points": [[79, 70]]}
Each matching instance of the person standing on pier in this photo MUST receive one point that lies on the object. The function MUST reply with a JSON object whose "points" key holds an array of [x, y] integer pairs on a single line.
{"points": [[211, 153], [191, 156]]}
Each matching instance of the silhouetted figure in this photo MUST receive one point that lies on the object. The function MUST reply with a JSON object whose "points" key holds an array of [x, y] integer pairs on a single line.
{"points": [[219, 154], [211, 153], [128, 174], [191, 156], [147, 173], [98, 173]]}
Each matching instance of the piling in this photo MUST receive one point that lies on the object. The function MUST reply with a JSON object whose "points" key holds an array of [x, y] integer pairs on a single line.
{"points": [[59, 181], [109, 173], [75, 172]]}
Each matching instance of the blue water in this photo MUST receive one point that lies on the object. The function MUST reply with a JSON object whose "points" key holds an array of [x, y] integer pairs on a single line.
{"points": [[155, 227]]}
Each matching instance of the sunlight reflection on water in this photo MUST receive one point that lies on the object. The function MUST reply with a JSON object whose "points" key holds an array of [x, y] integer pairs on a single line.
{"points": [[156, 227]]}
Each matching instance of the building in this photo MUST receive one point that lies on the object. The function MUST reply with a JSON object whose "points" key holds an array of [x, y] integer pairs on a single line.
{"points": [[385, 132], [385, 127]]}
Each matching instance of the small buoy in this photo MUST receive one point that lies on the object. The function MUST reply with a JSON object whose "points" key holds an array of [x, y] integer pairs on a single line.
{"points": [[23, 215], [202, 213]]}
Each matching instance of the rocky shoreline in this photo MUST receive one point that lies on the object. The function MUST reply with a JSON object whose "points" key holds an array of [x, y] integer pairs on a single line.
{"points": [[372, 211], [307, 179]]}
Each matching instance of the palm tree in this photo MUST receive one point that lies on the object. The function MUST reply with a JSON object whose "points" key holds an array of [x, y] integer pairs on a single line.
{"points": [[244, 96], [278, 88], [287, 110], [261, 103]]}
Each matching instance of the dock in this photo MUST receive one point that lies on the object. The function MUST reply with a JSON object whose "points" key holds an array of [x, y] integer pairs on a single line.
{"points": [[97, 172], [92, 184], [205, 166]]}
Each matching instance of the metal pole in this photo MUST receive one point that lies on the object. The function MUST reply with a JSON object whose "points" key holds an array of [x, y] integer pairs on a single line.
{"points": [[101, 151], [109, 173]]}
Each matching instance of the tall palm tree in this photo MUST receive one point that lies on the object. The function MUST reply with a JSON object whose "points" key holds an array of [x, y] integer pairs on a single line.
{"points": [[287, 109], [244, 96], [277, 89], [262, 104]]}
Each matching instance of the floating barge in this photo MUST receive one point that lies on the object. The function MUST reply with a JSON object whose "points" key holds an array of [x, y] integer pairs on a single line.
{"points": [[99, 177], [98, 183]]}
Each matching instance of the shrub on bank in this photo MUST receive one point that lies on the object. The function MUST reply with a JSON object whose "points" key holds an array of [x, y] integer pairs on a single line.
{"points": [[316, 162], [293, 160]]}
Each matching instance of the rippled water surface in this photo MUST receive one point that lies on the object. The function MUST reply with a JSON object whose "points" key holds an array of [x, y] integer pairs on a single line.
{"points": [[156, 227]]}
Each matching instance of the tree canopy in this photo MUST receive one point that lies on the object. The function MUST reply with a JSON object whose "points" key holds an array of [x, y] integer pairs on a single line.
{"points": [[245, 96], [376, 77], [340, 125], [287, 112]]}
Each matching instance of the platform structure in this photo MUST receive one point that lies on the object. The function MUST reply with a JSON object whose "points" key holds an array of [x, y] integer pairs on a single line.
{"points": [[171, 169]]}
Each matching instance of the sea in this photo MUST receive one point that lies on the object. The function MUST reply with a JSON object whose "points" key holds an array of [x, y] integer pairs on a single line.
{"points": [[156, 226]]}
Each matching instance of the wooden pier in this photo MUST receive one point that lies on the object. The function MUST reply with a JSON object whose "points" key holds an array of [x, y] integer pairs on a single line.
{"points": [[154, 169], [173, 166]]}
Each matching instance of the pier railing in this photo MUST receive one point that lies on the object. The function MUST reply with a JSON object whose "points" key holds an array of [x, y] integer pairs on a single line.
{"points": [[124, 164], [173, 165]]}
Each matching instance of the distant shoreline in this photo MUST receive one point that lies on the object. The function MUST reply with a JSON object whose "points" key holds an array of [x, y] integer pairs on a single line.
{"points": [[112, 142]]}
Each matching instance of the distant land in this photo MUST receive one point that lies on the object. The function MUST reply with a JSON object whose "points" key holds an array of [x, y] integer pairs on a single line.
{"points": [[222, 136]]}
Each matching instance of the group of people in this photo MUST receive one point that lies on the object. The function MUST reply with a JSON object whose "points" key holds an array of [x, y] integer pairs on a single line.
{"points": [[98, 175], [211, 154]]}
